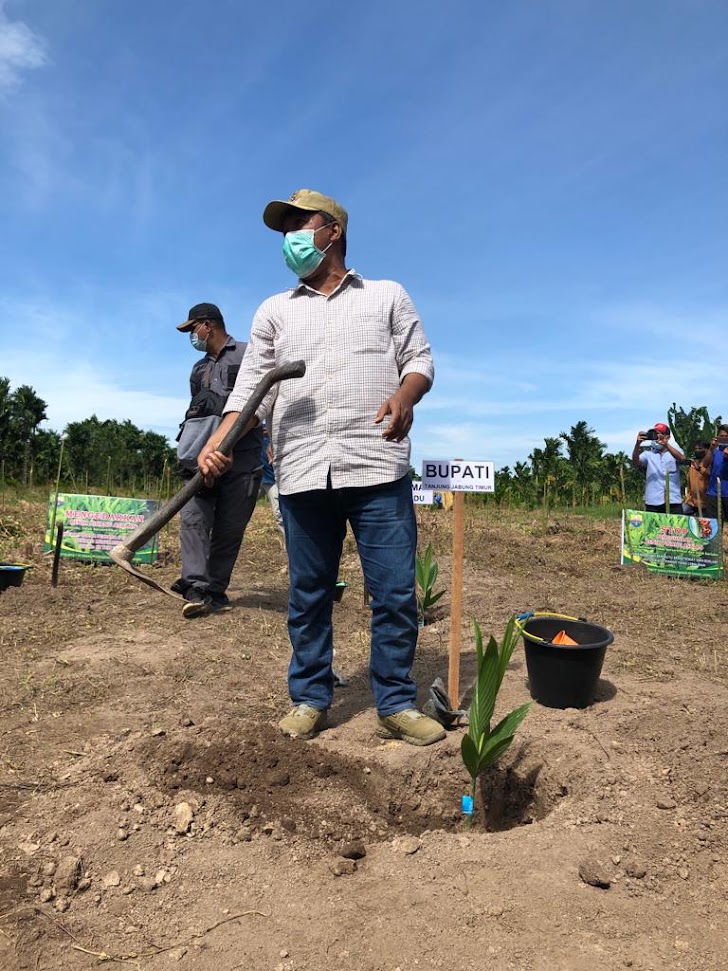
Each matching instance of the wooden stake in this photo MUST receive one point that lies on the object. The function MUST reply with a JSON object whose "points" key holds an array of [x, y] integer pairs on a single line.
{"points": [[719, 509], [55, 496], [57, 555], [456, 599]]}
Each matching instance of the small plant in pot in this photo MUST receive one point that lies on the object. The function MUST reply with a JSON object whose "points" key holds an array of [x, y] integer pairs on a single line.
{"points": [[426, 570], [483, 746]]}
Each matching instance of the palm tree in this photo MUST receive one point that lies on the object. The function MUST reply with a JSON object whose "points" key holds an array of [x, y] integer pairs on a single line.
{"points": [[27, 411], [585, 455], [4, 424], [524, 484], [545, 462]]}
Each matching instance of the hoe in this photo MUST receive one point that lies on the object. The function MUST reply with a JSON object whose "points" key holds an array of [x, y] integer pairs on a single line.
{"points": [[123, 553]]}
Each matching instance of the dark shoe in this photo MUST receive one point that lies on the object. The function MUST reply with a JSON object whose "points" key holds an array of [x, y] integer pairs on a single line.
{"points": [[180, 586], [303, 721], [411, 726], [220, 603], [198, 604]]}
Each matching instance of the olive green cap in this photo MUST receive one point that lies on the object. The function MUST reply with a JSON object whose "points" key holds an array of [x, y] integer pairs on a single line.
{"points": [[309, 201]]}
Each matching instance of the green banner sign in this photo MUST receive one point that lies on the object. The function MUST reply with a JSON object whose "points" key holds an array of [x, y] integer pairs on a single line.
{"points": [[683, 546], [93, 525]]}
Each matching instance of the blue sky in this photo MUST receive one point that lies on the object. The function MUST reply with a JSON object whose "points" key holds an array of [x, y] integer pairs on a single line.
{"points": [[547, 178]]}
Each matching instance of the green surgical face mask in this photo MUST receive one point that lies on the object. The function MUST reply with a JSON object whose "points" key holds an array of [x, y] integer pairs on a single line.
{"points": [[301, 253]]}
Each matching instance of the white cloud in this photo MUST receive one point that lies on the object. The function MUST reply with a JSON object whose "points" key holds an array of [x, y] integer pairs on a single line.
{"points": [[106, 400], [78, 358], [21, 49], [74, 392]]}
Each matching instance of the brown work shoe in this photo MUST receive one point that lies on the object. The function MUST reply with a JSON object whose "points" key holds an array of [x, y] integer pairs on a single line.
{"points": [[303, 721], [411, 726]]}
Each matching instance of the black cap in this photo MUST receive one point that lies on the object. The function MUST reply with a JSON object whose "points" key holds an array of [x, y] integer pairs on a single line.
{"points": [[201, 311]]}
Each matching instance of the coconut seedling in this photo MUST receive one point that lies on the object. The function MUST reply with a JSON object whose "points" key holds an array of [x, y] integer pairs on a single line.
{"points": [[482, 746], [426, 570]]}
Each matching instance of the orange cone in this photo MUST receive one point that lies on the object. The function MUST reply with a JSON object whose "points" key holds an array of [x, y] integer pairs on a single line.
{"points": [[563, 638]]}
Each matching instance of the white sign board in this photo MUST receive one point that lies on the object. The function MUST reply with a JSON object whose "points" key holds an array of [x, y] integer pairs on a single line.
{"points": [[458, 475], [422, 496]]}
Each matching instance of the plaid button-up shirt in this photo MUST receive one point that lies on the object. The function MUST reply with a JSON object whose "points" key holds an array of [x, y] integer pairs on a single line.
{"points": [[358, 343]]}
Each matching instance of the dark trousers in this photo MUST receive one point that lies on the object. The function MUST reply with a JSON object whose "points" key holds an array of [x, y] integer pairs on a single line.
{"points": [[675, 508], [212, 525], [710, 510]]}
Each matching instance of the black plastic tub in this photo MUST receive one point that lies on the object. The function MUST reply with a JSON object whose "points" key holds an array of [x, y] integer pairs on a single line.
{"points": [[11, 575], [564, 676]]}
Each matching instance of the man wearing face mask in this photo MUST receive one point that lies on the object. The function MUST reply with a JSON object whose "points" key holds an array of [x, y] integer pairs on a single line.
{"points": [[213, 522], [715, 464], [339, 435], [661, 462]]}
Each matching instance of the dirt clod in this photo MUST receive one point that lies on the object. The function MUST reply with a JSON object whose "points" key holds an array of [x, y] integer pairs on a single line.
{"points": [[666, 802], [636, 870], [68, 873], [409, 845], [595, 873], [183, 817], [340, 867], [354, 850]]}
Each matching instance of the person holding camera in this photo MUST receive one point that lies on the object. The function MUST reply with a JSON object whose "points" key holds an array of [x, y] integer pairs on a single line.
{"points": [[661, 461], [715, 463]]}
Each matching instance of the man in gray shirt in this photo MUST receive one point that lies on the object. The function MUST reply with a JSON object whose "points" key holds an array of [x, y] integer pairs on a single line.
{"points": [[213, 522], [339, 436]]}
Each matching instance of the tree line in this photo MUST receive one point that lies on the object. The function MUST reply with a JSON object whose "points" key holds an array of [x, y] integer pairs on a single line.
{"points": [[574, 468], [110, 455], [571, 469]]}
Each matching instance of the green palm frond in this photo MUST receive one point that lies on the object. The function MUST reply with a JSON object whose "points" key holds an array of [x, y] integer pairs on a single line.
{"points": [[426, 572], [481, 747]]}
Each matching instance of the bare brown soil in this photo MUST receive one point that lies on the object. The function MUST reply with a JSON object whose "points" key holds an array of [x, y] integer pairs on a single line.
{"points": [[152, 817]]}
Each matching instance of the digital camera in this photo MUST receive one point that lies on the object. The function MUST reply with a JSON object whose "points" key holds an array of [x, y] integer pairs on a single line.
{"points": [[651, 435]]}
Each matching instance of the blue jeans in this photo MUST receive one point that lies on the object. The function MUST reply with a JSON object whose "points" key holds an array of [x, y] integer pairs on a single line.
{"points": [[383, 521]]}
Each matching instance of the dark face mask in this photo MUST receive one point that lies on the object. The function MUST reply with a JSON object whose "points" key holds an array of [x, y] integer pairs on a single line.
{"points": [[699, 454]]}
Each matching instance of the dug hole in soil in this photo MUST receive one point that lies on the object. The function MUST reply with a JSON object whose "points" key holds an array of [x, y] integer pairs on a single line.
{"points": [[152, 816]]}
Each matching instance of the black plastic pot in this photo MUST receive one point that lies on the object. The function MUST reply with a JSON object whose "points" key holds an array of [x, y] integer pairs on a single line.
{"points": [[562, 676], [339, 590], [11, 575]]}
